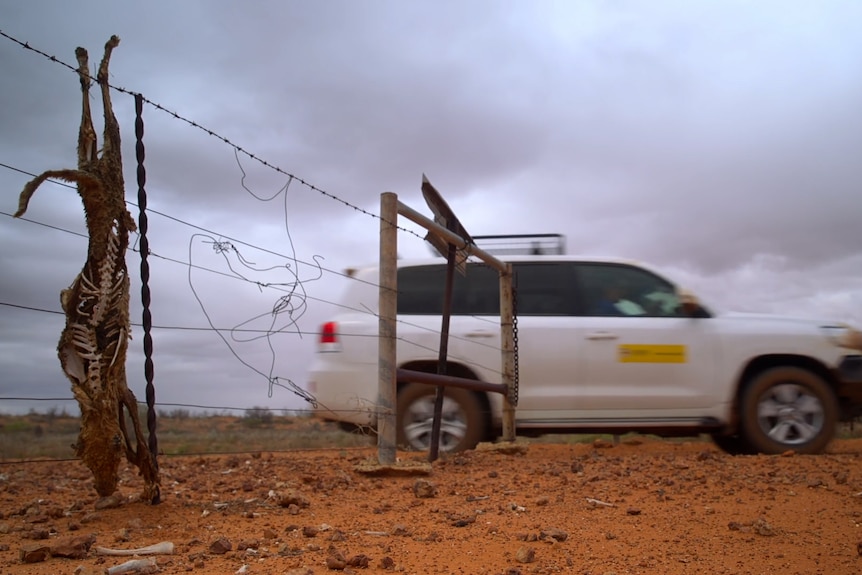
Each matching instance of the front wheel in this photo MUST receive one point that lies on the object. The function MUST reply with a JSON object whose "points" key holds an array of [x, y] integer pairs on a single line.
{"points": [[788, 408], [461, 425]]}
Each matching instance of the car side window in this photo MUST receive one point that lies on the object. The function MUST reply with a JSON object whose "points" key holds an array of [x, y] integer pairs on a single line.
{"points": [[543, 288], [623, 290], [420, 290], [546, 288]]}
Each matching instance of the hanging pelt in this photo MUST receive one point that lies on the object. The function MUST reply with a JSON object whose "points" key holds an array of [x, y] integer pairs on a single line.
{"points": [[92, 347]]}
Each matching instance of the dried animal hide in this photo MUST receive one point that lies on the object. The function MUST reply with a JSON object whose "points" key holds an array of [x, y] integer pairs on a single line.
{"points": [[92, 347]]}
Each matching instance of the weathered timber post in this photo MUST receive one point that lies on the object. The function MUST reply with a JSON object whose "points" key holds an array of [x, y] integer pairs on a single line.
{"points": [[507, 353], [387, 308]]}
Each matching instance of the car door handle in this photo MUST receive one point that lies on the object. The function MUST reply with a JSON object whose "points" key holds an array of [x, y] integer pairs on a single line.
{"points": [[478, 334], [599, 335]]}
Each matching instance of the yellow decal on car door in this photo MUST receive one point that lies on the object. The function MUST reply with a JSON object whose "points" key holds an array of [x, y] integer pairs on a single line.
{"points": [[642, 353]]}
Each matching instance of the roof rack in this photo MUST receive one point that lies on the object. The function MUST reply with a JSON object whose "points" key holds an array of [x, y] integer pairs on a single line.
{"points": [[523, 244]]}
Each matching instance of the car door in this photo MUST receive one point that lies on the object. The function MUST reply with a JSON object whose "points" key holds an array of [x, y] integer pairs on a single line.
{"points": [[474, 328], [641, 356], [549, 367]]}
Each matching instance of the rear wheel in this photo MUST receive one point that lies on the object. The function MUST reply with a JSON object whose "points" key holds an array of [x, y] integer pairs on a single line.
{"points": [[461, 425], [788, 408]]}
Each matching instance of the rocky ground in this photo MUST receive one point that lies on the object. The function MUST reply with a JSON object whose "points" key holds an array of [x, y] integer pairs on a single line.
{"points": [[644, 506]]}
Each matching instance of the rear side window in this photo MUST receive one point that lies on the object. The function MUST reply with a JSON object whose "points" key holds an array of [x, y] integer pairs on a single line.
{"points": [[544, 288]]}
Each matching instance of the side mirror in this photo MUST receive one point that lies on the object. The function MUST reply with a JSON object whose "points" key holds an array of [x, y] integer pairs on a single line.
{"points": [[690, 304]]}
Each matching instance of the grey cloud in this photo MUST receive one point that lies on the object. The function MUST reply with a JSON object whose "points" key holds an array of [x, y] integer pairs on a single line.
{"points": [[719, 140]]}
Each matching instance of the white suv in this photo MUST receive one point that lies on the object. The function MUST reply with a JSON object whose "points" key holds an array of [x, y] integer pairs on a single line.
{"points": [[604, 346]]}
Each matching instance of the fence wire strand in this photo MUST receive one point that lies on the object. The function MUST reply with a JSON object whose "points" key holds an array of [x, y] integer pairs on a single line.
{"points": [[293, 303]]}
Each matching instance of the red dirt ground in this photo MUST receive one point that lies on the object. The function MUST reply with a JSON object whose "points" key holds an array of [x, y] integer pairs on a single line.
{"points": [[642, 507]]}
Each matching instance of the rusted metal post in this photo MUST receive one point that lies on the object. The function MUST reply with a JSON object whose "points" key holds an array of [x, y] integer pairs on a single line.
{"points": [[388, 308], [507, 352], [443, 355]]}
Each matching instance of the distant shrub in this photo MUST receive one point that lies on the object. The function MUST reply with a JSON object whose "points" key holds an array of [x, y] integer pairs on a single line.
{"points": [[180, 414], [258, 416]]}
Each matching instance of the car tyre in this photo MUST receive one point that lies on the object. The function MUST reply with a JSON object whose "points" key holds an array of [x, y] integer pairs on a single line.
{"points": [[788, 408], [462, 424]]}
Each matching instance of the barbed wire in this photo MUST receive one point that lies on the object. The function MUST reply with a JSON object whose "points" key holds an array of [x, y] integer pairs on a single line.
{"points": [[237, 149], [259, 284], [179, 221], [294, 303]]}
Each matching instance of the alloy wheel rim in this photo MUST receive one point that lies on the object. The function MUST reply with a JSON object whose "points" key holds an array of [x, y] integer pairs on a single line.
{"points": [[790, 414], [419, 418]]}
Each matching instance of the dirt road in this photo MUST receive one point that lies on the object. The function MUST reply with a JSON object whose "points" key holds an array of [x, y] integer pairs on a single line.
{"points": [[642, 507]]}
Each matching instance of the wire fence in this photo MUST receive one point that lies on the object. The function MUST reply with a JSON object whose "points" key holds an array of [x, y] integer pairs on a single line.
{"points": [[288, 277]]}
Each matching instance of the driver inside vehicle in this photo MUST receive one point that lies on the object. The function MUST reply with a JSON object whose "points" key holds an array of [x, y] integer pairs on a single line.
{"points": [[614, 302]]}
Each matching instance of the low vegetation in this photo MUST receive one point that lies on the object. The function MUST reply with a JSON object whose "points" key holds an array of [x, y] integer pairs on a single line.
{"points": [[37, 436], [52, 435]]}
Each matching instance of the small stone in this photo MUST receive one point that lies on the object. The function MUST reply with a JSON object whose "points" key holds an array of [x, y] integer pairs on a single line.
{"points": [[293, 497], [35, 553], [123, 535], [90, 517], [37, 534], [761, 527], [400, 530], [220, 546], [309, 531], [388, 563], [555, 534], [75, 547], [360, 560], [542, 500], [525, 555], [633, 511], [269, 533], [336, 561], [337, 535], [602, 444], [109, 502], [424, 489], [859, 548]]}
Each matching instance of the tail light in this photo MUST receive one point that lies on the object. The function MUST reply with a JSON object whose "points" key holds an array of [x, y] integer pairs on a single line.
{"points": [[328, 340]]}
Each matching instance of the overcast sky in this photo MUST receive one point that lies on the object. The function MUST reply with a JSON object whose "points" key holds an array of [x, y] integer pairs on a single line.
{"points": [[717, 140]]}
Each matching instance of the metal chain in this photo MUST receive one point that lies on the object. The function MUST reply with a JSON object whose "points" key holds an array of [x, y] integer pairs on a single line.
{"points": [[516, 376]]}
